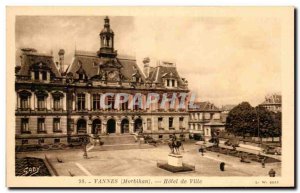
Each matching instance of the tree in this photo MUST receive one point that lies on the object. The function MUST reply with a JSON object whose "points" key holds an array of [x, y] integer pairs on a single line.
{"points": [[266, 122], [277, 125], [241, 120]]}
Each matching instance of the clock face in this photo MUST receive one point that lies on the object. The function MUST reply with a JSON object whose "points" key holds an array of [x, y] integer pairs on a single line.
{"points": [[112, 75]]}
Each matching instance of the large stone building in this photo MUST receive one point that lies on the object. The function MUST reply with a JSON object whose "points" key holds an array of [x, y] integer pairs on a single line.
{"points": [[55, 105], [272, 103], [205, 119]]}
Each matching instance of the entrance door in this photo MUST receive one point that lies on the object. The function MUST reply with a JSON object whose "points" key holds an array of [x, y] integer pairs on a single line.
{"points": [[111, 126], [96, 126], [138, 125], [125, 126]]}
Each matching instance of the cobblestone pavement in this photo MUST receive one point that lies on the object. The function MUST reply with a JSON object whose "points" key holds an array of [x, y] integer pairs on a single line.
{"points": [[142, 162]]}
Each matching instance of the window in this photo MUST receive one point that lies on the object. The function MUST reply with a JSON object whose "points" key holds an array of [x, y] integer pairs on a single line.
{"points": [[24, 102], [207, 116], [24, 125], [160, 136], [36, 75], [173, 83], [160, 120], [41, 102], [44, 75], [110, 102], [168, 83], [181, 122], [81, 76], [24, 141], [41, 141], [80, 102], [56, 103], [124, 105], [56, 125], [96, 102], [171, 123], [56, 140], [149, 124], [41, 125]]}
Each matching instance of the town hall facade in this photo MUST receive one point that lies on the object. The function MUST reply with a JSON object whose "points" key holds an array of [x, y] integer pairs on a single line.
{"points": [[55, 105]]}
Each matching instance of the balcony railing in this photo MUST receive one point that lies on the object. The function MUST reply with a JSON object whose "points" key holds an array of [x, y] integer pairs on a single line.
{"points": [[41, 131], [25, 132]]}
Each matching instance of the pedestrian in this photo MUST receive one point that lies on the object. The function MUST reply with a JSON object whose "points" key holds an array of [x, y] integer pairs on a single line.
{"points": [[222, 166], [263, 163], [272, 173]]}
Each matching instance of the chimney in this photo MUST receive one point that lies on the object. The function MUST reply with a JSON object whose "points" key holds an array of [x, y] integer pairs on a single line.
{"points": [[146, 70], [61, 54]]}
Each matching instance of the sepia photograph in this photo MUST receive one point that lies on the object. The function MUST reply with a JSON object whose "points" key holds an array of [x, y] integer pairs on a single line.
{"points": [[150, 97]]}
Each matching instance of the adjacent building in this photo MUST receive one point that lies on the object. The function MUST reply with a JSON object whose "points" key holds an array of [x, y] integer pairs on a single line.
{"points": [[205, 119], [272, 103]]}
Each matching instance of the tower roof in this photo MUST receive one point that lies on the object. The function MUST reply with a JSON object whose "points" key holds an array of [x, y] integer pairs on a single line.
{"points": [[106, 28]]}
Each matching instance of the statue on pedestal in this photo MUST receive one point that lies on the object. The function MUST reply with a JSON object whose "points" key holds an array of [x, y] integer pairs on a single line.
{"points": [[174, 145]]}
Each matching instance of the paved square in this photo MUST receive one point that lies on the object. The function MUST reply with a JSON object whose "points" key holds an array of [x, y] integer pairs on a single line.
{"points": [[142, 162]]}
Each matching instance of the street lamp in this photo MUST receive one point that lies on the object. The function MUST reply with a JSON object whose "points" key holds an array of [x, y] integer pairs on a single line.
{"points": [[258, 130]]}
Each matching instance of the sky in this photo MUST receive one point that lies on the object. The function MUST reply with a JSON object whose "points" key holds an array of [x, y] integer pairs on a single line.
{"points": [[226, 60]]}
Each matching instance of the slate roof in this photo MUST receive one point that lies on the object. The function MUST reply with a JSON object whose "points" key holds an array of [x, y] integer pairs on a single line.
{"points": [[157, 74], [272, 99], [31, 58], [227, 107], [205, 106], [89, 62]]}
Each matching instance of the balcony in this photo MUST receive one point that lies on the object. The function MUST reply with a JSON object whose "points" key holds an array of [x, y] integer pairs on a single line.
{"points": [[25, 132], [41, 109], [42, 132], [57, 109], [24, 109]]}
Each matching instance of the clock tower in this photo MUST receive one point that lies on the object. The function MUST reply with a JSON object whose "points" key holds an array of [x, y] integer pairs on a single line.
{"points": [[107, 41]]}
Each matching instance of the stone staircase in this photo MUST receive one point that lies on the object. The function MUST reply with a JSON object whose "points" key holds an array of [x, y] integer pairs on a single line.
{"points": [[118, 142]]}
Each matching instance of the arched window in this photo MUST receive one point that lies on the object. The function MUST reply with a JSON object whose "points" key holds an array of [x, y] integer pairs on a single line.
{"points": [[24, 100]]}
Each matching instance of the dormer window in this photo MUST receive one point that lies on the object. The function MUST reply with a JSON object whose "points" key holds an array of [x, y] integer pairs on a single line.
{"points": [[81, 72], [81, 77], [171, 83]]}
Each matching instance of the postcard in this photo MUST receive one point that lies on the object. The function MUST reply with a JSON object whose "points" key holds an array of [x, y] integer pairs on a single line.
{"points": [[150, 97]]}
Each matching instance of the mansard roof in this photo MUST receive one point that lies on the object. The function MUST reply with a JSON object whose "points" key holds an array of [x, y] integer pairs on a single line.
{"points": [[272, 99], [90, 62], [32, 58], [160, 72]]}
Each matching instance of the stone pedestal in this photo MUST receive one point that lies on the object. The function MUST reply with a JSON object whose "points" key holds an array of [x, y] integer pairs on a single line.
{"points": [[175, 160]]}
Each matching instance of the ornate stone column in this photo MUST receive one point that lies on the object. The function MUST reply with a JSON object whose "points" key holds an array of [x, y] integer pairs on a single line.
{"points": [[88, 101], [89, 126], [48, 100], [118, 126], [64, 102], [131, 126], [104, 127]]}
